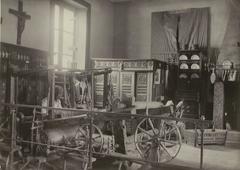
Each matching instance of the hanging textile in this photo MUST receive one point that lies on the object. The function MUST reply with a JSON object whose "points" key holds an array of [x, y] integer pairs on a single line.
{"points": [[172, 30], [164, 26], [193, 28]]}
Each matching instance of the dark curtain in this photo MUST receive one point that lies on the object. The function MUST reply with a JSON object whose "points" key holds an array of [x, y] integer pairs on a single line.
{"points": [[193, 28], [172, 30]]}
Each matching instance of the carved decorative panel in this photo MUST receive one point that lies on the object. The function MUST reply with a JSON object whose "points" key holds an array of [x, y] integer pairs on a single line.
{"points": [[99, 89], [141, 87], [218, 105], [2, 92], [127, 84], [133, 77]]}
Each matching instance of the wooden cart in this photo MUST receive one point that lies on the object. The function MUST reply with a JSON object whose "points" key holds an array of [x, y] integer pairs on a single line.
{"points": [[157, 139]]}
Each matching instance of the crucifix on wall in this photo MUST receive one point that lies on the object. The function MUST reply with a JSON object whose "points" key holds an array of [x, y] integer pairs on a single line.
{"points": [[22, 17]]}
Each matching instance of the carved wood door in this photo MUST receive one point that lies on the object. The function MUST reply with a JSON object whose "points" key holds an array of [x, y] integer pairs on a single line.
{"points": [[127, 84]]}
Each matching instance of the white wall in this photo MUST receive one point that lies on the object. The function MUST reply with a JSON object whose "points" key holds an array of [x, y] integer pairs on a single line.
{"points": [[139, 22], [36, 33], [101, 41], [9, 24], [230, 49], [134, 34]]}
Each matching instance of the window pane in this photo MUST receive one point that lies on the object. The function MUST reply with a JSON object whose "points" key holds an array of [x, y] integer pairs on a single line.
{"points": [[56, 16], [56, 41], [67, 61], [68, 43], [68, 20]]}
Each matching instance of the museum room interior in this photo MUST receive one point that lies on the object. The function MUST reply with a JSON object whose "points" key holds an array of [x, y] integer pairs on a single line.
{"points": [[120, 84]]}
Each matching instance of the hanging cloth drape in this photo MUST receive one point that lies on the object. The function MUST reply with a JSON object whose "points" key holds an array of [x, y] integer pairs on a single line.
{"points": [[188, 26], [193, 28], [164, 26]]}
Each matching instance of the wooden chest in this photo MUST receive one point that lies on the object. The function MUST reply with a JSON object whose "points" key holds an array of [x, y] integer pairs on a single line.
{"points": [[142, 79], [209, 137]]}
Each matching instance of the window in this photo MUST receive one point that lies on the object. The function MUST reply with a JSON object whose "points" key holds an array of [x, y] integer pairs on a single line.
{"points": [[69, 35]]}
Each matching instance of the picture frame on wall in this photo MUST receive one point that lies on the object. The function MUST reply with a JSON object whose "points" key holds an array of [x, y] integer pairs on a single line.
{"points": [[157, 76]]}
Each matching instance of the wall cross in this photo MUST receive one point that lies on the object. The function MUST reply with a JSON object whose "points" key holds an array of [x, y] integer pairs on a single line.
{"points": [[22, 17]]}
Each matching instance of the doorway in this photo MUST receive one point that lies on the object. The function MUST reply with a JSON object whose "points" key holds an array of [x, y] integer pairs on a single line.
{"points": [[232, 104]]}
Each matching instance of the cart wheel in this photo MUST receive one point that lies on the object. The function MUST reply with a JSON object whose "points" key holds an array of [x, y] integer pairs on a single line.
{"points": [[157, 140], [82, 138]]}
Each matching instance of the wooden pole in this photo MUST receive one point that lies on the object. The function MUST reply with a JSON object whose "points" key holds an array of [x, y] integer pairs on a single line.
{"points": [[13, 137], [91, 123], [53, 92], [202, 135]]}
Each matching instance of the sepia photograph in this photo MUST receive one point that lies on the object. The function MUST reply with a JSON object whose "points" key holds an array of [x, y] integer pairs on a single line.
{"points": [[120, 85]]}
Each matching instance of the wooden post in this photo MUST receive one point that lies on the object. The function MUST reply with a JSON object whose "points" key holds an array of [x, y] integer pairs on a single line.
{"points": [[202, 136], [105, 88], [90, 116], [218, 105], [53, 92], [72, 91], [120, 135], [13, 137], [201, 156]]}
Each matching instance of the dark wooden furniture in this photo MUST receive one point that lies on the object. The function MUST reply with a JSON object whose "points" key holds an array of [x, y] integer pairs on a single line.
{"points": [[15, 58], [141, 79], [189, 82], [21, 58]]}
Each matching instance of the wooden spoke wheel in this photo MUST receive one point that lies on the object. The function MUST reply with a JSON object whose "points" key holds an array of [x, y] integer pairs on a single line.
{"points": [[157, 140], [82, 138]]}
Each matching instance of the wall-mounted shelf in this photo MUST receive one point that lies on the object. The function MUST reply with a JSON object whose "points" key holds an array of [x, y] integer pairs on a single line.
{"points": [[189, 80]]}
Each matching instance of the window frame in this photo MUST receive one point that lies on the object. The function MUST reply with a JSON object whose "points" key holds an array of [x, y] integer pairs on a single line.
{"points": [[72, 5]]}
